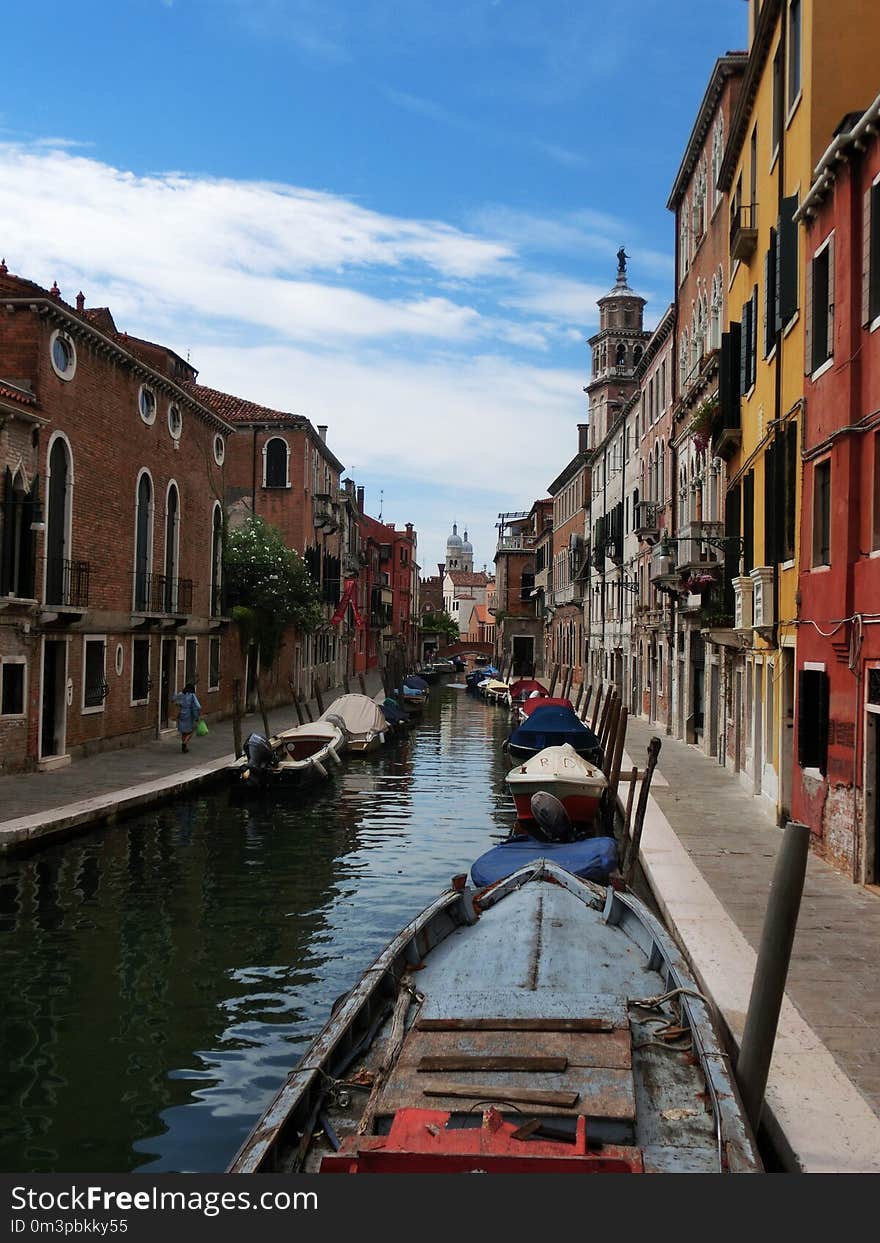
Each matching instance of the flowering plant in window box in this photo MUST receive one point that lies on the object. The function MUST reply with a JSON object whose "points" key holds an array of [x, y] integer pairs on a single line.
{"points": [[700, 428]]}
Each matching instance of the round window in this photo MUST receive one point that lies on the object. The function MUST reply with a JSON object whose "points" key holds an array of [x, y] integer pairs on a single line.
{"points": [[63, 355], [119, 659], [219, 450], [175, 421], [147, 404]]}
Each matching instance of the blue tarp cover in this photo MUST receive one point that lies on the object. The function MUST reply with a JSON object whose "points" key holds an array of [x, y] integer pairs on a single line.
{"points": [[415, 683], [553, 726], [594, 858]]}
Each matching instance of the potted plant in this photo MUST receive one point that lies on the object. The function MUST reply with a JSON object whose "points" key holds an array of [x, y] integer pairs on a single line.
{"points": [[700, 428]]}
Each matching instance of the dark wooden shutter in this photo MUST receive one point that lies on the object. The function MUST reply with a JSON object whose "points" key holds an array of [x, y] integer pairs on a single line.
{"points": [[788, 267], [8, 550], [731, 530], [744, 350], [866, 258], [812, 716], [791, 477], [26, 556], [753, 324], [777, 282], [748, 505], [831, 296], [770, 546], [808, 320]]}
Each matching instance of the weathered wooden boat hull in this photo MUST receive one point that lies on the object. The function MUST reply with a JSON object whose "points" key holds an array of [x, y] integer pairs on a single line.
{"points": [[538, 964]]}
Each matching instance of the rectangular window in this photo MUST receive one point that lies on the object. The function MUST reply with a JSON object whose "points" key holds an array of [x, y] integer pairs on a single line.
{"points": [[812, 719], [790, 458], [794, 51], [753, 180], [12, 688], [822, 513], [214, 663], [190, 664], [821, 309], [140, 670], [94, 674]]}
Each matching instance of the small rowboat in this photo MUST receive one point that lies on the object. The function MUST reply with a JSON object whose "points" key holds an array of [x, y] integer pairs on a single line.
{"points": [[559, 771], [523, 687], [494, 690], [542, 1025]]}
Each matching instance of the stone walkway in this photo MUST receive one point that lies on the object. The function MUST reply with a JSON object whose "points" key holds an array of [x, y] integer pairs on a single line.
{"points": [[731, 839]]}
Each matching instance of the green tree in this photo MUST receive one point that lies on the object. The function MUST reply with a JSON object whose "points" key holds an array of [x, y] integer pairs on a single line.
{"points": [[443, 624], [269, 587]]}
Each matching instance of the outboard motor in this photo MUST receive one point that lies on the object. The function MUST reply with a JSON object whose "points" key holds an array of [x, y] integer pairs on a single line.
{"points": [[551, 817], [260, 756]]}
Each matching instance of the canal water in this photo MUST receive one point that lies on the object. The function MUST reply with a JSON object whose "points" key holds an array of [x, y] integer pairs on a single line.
{"points": [[160, 978]]}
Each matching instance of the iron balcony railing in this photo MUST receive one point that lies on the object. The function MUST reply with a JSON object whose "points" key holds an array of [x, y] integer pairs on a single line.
{"points": [[647, 518], [67, 583], [743, 233], [159, 593]]}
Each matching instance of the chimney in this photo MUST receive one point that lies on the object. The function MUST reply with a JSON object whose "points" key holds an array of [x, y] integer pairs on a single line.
{"points": [[80, 302], [409, 528], [322, 431], [360, 500], [583, 435]]}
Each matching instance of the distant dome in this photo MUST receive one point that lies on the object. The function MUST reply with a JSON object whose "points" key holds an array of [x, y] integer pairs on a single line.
{"points": [[467, 546], [454, 540]]}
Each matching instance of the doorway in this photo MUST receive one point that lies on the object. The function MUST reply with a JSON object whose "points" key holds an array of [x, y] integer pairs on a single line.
{"points": [[166, 681], [786, 758], [523, 655], [758, 757], [872, 797], [53, 717]]}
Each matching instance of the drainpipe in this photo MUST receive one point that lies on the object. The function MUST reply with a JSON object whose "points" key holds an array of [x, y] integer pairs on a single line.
{"points": [[254, 475]]}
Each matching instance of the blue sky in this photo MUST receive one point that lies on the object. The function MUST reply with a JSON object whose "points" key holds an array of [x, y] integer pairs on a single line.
{"points": [[392, 216]]}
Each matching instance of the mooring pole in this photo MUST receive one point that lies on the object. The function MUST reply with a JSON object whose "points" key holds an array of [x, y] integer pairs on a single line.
{"points": [[771, 969]]}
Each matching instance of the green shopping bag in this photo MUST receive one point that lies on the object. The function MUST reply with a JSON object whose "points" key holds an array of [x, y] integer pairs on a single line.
{"points": [[201, 728]]}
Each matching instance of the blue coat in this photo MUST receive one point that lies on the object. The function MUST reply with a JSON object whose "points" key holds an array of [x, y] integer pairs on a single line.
{"points": [[190, 711]]}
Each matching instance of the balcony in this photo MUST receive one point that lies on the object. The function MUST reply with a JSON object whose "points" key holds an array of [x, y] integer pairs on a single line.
{"points": [[515, 543], [743, 233], [663, 575], [67, 589], [647, 521], [160, 595], [693, 553]]}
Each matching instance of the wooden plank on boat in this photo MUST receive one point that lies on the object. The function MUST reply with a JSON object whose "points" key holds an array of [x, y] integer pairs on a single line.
{"points": [[494, 1092], [484, 1061], [612, 1050], [515, 1025]]}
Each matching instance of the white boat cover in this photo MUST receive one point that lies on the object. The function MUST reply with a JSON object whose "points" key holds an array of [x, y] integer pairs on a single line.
{"points": [[359, 715], [557, 764], [313, 729]]}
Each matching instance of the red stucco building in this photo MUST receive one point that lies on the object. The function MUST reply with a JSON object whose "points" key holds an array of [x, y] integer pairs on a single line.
{"points": [[836, 786]]}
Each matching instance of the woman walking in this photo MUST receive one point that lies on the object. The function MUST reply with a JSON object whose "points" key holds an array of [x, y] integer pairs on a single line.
{"points": [[188, 717]]}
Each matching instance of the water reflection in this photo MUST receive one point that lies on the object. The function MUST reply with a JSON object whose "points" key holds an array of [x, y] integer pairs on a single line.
{"points": [[161, 978]]}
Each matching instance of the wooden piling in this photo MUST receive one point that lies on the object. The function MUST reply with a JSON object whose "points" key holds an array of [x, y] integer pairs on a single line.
{"points": [[641, 807], [609, 698], [299, 713], [362, 684], [345, 685], [596, 704], [318, 698], [580, 695], [236, 716], [587, 697], [553, 680]]}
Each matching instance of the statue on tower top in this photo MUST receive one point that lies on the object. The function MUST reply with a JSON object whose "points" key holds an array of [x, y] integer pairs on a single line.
{"points": [[622, 257]]}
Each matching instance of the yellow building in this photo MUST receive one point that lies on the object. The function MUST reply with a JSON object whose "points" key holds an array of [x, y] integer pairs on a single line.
{"points": [[811, 62]]}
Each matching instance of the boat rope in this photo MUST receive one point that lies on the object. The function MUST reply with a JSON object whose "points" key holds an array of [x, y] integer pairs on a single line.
{"points": [[654, 1003]]}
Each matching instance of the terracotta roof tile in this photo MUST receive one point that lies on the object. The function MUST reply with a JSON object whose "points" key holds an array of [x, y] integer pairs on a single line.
{"points": [[461, 578], [239, 409], [15, 392]]}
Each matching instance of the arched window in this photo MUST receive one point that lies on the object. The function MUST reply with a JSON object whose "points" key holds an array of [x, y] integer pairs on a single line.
{"points": [[620, 355], [143, 542], [661, 475], [59, 493], [275, 463], [637, 355], [216, 561], [172, 547], [683, 363], [717, 158]]}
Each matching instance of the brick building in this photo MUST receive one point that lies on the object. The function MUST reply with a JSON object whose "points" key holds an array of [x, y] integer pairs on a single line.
{"points": [[114, 478], [519, 612]]}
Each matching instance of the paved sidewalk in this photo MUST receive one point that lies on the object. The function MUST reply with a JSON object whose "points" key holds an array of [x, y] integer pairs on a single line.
{"points": [[101, 787], [709, 850]]}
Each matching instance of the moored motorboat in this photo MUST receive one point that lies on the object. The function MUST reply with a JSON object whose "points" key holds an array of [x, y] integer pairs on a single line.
{"points": [[530, 705], [495, 690], [562, 772], [551, 1026], [476, 676], [288, 760], [552, 727], [362, 721], [523, 687]]}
